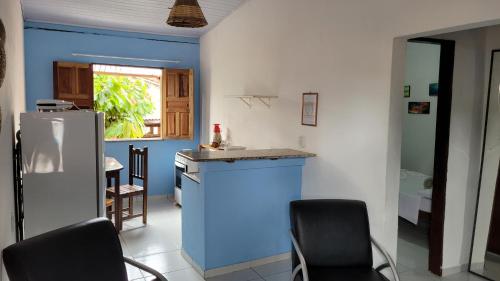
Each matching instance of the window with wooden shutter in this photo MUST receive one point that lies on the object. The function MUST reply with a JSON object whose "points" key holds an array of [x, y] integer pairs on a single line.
{"points": [[74, 82], [178, 103]]}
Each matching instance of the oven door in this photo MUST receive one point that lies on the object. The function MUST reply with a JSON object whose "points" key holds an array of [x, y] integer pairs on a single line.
{"points": [[179, 170]]}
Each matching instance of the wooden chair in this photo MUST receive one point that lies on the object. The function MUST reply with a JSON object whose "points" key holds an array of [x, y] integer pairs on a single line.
{"points": [[138, 169]]}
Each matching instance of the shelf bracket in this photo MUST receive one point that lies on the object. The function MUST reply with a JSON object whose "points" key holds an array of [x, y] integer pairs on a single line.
{"points": [[264, 102], [247, 102], [249, 99]]}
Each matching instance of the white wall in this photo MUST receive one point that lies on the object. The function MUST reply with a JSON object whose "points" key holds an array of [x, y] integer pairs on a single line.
{"points": [[470, 81], [465, 146], [11, 103], [344, 51], [490, 169], [419, 130]]}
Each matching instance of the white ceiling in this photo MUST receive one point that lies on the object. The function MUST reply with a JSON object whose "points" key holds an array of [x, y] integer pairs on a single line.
{"points": [[147, 16]]}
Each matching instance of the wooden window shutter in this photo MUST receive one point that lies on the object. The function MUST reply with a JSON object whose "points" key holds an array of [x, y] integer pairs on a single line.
{"points": [[74, 82], [178, 104]]}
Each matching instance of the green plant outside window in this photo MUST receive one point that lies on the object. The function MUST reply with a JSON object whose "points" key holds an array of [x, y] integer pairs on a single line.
{"points": [[124, 100]]}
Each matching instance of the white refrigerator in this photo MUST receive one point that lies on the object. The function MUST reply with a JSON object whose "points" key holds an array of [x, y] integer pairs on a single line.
{"points": [[63, 169]]}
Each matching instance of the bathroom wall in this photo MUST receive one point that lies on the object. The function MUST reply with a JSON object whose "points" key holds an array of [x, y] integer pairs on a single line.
{"points": [[491, 41], [419, 130]]}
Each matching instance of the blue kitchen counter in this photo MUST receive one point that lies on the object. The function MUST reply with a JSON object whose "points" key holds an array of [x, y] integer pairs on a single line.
{"points": [[237, 212]]}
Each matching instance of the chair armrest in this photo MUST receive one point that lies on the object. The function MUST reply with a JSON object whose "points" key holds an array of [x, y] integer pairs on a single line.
{"points": [[145, 268], [392, 265], [382, 267], [302, 266]]}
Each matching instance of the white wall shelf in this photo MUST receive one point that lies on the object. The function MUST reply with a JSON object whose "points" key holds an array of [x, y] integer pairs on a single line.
{"points": [[248, 99]]}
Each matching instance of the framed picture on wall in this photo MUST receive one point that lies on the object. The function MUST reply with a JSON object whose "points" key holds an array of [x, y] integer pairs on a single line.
{"points": [[310, 109], [433, 89], [419, 107], [407, 91]]}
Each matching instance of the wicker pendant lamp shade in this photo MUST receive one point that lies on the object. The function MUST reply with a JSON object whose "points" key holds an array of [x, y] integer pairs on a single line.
{"points": [[186, 13]]}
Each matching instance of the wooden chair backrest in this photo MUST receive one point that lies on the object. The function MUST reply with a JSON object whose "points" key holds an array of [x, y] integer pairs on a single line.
{"points": [[138, 164]]}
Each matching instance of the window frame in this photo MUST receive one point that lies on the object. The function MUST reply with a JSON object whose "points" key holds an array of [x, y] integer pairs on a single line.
{"points": [[177, 120]]}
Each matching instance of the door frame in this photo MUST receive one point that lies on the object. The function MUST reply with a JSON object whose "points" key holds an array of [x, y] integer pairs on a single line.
{"points": [[441, 150]]}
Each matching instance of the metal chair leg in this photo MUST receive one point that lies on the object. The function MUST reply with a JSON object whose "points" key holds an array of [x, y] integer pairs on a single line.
{"points": [[302, 266]]}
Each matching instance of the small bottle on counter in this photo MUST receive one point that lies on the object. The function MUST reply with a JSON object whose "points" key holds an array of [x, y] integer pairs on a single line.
{"points": [[217, 140]]}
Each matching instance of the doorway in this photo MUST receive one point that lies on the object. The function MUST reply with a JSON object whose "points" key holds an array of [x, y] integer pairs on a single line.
{"points": [[424, 152]]}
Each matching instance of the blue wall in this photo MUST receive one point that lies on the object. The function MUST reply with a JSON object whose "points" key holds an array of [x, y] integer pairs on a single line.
{"points": [[45, 43]]}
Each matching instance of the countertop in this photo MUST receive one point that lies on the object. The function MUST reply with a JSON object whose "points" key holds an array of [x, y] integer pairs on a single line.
{"points": [[230, 156]]}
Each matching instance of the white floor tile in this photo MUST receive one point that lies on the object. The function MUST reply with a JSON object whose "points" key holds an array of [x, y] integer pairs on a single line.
{"points": [[133, 272], [401, 268], [147, 242], [413, 265], [274, 268], [125, 250], [418, 275], [164, 262], [161, 234], [463, 276], [188, 274], [284, 276], [242, 275], [412, 256], [158, 245]]}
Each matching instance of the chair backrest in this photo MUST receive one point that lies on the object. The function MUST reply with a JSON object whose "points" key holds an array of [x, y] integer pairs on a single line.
{"points": [[332, 233], [137, 164], [86, 251]]}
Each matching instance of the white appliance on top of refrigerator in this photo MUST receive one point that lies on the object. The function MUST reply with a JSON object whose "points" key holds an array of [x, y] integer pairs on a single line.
{"points": [[63, 169]]}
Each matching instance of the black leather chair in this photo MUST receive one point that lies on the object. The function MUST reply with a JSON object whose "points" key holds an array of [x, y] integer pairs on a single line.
{"points": [[331, 241], [88, 251]]}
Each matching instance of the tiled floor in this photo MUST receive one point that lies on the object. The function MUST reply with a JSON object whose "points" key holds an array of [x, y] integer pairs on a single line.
{"points": [[158, 245], [412, 258]]}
